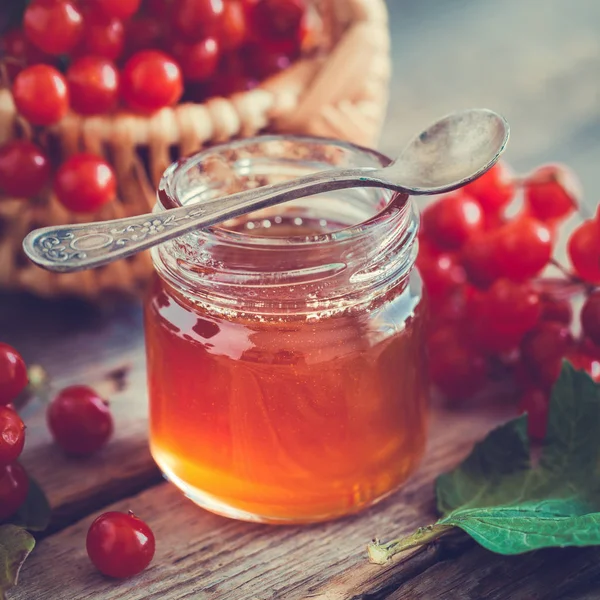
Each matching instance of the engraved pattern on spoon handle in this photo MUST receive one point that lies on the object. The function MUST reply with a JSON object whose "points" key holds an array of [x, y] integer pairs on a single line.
{"points": [[72, 248]]}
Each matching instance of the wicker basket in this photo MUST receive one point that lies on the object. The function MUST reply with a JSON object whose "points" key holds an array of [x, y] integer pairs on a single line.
{"points": [[341, 92]]}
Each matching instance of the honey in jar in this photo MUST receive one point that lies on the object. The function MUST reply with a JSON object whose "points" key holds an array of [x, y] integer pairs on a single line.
{"points": [[287, 372]]}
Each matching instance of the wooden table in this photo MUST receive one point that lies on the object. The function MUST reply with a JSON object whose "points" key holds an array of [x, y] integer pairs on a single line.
{"points": [[538, 63]]}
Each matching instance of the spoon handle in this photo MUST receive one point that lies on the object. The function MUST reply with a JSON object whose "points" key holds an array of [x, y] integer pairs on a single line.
{"points": [[72, 248]]}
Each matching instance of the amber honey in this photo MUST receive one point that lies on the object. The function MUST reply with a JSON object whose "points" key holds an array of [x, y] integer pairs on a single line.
{"points": [[287, 376]]}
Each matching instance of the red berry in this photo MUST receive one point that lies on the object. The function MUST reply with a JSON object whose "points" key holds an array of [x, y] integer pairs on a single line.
{"points": [[261, 62], [143, 33], [103, 36], [590, 317], [479, 257], [452, 220], [234, 27], [93, 85], [494, 189], [41, 81], [502, 315], [54, 26], [118, 9], [199, 60], [584, 251], [150, 81], [440, 272], [543, 349], [584, 362], [524, 248], [85, 183], [80, 421], [24, 169], [13, 374], [20, 52], [458, 371], [554, 309], [535, 403], [120, 545], [197, 19], [12, 435], [14, 485], [158, 9], [279, 20], [552, 192]]}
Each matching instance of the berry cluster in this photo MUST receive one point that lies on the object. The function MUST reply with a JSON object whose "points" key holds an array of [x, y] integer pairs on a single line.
{"points": [[97, 56], [495, 311], [78, 419]]}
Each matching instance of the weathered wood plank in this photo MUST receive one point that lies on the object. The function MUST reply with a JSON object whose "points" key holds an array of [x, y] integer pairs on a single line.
{"points": [[200, 555]]}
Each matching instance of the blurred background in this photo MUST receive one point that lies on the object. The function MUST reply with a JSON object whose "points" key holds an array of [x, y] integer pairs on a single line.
{"points": [[535, 61]]}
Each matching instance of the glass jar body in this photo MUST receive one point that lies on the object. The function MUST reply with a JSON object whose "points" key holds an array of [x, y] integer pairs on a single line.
{"points": [[295, 410]]}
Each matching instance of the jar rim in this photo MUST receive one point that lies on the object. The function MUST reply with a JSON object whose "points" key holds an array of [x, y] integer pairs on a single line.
{"points": [[167, 197]]}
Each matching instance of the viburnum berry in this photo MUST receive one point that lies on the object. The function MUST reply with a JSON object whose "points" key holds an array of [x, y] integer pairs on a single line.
{"points": [[120, 545], [582, 361], [143, 33], [452, 220], [234, 26], [543, 349], [41, 81], [13, 374], [79, 420], [54, 26], [494, 189], [20, 52], [261, 62], [85, 183], [12, 435], [555, 309], [197, 19], [199, 60], [282, 24], [479, 257], [524, 248], [14, 485], [24, 169], [118, 9], [552, 192], [440, 272], [584, 251], [93, 85], [150, 81], [103, 36], [536, 403], [590, 317]]}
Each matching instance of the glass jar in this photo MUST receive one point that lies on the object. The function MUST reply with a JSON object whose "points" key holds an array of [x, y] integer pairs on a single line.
{"points": [[286, 351]]}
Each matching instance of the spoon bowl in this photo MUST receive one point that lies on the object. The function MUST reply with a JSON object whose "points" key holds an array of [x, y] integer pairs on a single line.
{"points": [[448, 155]]}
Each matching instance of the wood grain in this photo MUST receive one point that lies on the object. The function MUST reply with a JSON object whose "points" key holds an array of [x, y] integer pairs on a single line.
{"points": [[200, 555]]}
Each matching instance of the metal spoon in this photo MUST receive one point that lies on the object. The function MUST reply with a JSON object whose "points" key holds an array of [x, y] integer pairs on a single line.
{"points": [[446, 156]]}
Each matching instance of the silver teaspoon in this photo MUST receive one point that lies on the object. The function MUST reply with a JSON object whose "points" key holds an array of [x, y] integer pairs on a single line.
{"points": [[449, 154]]}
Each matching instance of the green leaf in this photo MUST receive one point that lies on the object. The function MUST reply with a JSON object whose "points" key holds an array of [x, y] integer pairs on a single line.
{"points": [[15, 546], [509, 505], [35, 512]]}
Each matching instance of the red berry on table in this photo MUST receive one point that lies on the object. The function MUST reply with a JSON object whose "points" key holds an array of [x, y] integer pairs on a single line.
{"points": [[552, 192], [13, 374], [234, 26], [41, 81], [590, 317], [53, 26], [79, 420], [535, 403], [524, 248], [85, 183], [12, 435], [120, 545], [452, 220], [494, 189], [554, 309], [197, 19], [14, 485], [584, 251], [198, 60], [543, 349], [151, 80], [93, 85], [103, 36], [24, 169], [118, 9], [479, 257]]}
